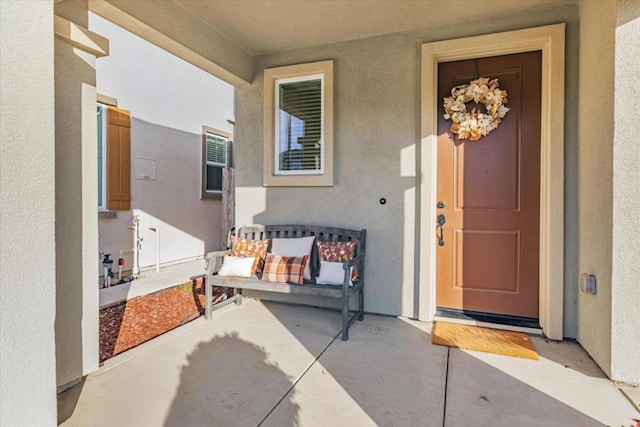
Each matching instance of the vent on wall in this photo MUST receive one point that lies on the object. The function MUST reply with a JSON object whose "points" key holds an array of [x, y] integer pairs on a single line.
{"points": [[145, 168]]}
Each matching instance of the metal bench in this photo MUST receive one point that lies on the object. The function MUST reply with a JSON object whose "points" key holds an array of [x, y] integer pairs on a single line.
{"points": [[332, 234]]}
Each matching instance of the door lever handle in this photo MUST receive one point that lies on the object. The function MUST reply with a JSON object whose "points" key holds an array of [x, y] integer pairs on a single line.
{"points": [[442, 220]]}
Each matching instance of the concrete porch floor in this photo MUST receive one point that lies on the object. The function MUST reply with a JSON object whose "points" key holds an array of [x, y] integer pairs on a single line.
{"points": [[280, 365]]}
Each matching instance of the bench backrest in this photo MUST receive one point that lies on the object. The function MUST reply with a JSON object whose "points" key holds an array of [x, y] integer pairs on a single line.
{"points": [[322, 234]]}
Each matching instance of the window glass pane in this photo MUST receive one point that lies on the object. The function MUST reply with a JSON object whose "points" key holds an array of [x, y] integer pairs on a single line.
{"points": [[216, 149], [299, 125], [214, 178]]}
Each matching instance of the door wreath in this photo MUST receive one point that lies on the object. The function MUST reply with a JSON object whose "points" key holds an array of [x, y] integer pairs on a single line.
{"points": [[476, 124]]}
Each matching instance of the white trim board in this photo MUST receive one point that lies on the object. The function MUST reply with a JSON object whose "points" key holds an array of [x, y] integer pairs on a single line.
{"points": [[550, 40]]}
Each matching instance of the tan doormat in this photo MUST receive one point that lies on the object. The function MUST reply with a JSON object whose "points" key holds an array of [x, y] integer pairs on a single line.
{"points": [[507, 343]]}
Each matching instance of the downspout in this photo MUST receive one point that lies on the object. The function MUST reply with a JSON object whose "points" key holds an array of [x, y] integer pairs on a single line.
{"points": [[157, 231], [137, 243]]}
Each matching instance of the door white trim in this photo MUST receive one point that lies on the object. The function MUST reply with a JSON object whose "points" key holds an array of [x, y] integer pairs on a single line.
{"points": [[550, 40]]}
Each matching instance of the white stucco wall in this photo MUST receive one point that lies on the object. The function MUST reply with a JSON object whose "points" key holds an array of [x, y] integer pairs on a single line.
{"points": [[609, 190], [75, 192], [27, 215], [596, 115], [377, 127], [169, 100], [625, 298]]}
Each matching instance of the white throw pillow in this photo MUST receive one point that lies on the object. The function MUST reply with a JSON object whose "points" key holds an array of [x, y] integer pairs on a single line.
{"points": [[332, 273], [297, 246], [237, 266]]}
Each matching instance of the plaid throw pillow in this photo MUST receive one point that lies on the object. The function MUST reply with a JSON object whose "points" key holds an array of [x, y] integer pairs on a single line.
{"points": [[283, 269], [339, 252], [243, 248]]}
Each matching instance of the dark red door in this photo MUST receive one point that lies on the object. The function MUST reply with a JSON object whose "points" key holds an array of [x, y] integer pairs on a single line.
{"points": [[490, 190]]}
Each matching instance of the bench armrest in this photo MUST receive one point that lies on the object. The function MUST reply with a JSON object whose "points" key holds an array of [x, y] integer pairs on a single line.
{"points": [[347, 266], [213, 261], [353, 261]]}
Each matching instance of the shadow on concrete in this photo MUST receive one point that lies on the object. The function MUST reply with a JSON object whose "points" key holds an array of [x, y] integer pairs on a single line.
{"points": [[389, 373], [67, 401], [481, 395], [228, 381], [270, 364], [568, 353]]}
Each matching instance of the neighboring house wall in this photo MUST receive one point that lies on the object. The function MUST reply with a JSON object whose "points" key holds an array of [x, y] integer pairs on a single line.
{"points": [[170, 101], [27, 215], [377, 125]]}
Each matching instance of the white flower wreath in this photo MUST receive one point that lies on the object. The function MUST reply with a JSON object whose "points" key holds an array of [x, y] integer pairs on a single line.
{"points": [[476, 124]]}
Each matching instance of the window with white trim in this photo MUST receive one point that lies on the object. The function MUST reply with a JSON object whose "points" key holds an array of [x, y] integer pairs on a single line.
{"points": [[215, 154], [298, 125]]}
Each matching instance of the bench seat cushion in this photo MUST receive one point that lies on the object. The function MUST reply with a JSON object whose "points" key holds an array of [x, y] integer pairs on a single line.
{"points": [[283, 288]]}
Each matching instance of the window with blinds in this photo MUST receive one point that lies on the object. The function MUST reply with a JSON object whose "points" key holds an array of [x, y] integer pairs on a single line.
{"points": [[298, 125], [299, 131], [215, 156]]}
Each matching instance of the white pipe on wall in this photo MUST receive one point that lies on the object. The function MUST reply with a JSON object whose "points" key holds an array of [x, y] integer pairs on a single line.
{"points": [[120, 253], [137, 243], [157, 231]]}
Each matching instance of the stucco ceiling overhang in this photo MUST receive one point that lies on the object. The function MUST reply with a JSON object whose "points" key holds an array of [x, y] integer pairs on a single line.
{"points": [[224, 36], [265, 26]]}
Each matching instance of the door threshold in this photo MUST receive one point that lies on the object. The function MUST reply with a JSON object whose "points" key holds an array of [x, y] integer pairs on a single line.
{"points": [[506, 323]]}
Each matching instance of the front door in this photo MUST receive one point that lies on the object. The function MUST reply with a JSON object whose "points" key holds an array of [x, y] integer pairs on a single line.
{"points": [[489, 193]]}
